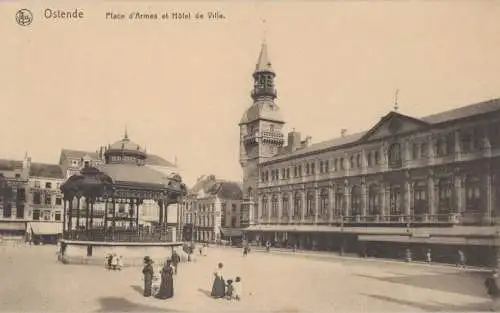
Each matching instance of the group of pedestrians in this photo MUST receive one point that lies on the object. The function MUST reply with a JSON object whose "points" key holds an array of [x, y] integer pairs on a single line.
{"points": [[165, 289], [222, 289], [113, 261]]}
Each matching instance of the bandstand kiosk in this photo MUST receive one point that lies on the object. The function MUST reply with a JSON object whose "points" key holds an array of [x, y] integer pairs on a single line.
{"points": [[102, 207]]}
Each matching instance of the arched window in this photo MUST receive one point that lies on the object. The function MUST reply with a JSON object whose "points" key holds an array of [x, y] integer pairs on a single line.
{"points": [[373, 200], [356, 200], [250, 192], [274, 206], [323, 205], [339, 202], [310, 204], [265, 208], [472, 194], [352, 164], [369, 158], [420, 203], [297, 205], [444, 196], [395, 154], [358, 160], [286, 206]]}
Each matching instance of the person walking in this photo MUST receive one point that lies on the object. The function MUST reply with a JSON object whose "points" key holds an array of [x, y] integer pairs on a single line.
{"points": [[492, 288], [167, 282], [219, 285], [461, 259], [176, 259], [148, 272]]}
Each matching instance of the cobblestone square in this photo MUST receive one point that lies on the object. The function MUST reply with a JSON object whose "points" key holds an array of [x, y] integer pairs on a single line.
{"points": [[33, 281]]}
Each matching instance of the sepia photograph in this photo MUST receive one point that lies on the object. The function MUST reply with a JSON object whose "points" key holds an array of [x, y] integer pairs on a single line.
{"points": [[249, 156]]}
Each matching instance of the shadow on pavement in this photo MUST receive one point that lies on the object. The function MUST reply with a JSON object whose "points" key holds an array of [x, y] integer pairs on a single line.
{"points": [[464, 283], [117, 304], [436, 306], [138, 289], [205, 292]]}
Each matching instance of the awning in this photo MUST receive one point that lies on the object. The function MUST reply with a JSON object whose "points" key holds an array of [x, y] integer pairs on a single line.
{"points": [[44, 228], [12, 226], [430, 240], [231, 232]]}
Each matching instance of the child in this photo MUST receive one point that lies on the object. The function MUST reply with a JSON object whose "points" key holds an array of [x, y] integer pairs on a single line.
{"points": [[237, 290], [229, 289]]}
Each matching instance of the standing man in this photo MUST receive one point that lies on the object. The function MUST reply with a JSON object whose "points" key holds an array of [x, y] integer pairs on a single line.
{"points": [[461, 259], [492, 284], [176, 259]]}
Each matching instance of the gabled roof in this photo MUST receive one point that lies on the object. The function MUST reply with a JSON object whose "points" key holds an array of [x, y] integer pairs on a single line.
{"points": [[210, 186], [480, 108], [46, 170], [10, 165], [395, 122]]}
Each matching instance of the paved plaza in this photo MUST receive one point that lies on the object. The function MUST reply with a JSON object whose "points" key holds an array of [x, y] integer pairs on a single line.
{"points": [[32, 280]]}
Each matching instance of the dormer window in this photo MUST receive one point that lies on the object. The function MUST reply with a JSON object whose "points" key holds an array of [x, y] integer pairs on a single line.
{"points": [[87, 163]]}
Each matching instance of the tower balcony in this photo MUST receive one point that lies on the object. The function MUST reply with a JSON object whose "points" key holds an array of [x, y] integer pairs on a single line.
{"points": [[265, 136]]}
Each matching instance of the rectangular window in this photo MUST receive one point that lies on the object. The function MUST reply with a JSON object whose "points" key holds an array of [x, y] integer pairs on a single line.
{"points": [[313, 169], [18, 175], [21, 194], [48, 185], [326, 166], [37, 184], [414, 154], [58, 201], [46, 215], [48, 200], [57, 216], [233, 222], [36, 215], [37, 199], [233, 208], [7, 210], [20, 211]]}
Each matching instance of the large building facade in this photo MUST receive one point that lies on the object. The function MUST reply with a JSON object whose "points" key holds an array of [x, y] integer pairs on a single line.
{"points": [[31, 201], [211, 210], [437, 174]]}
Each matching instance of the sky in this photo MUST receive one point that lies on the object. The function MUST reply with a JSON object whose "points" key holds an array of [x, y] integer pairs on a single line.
{"points": [[181, 87]]}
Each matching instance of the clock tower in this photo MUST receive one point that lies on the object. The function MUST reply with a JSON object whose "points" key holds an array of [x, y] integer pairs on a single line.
{"points": [[261, 134]]}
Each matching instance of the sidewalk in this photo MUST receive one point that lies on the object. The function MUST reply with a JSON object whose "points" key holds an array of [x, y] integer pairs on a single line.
{"points": [[335, 256]]}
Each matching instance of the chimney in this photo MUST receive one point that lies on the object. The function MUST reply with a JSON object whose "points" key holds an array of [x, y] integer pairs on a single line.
{"points": [[307, 142], [293, 140], [343, 132]]}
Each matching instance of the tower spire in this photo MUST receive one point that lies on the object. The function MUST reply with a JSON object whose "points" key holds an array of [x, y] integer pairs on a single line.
{"points": [[396, 105], [125, 136], [263, 63]]}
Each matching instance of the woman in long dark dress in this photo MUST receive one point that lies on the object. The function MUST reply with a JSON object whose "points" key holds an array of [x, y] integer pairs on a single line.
{"points": [[147, 271], [167, 282], [219, 285]]}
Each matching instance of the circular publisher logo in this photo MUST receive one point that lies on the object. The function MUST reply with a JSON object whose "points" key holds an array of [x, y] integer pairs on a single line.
{"points": [[24, 17]]}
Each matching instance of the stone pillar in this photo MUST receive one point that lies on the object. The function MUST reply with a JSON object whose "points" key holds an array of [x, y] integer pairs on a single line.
{"points": [[459, 193], [70, 215], [431, 186], [331, 203], [269, 208], [303, 205], [316, 204], [364, 197], [291, 204], [259, 209], [347, 199], [382, 197], [407, 198], [488, 191], [280, 206]]}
